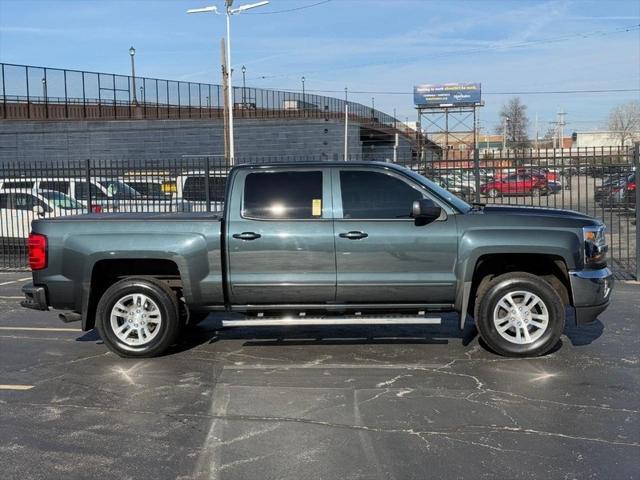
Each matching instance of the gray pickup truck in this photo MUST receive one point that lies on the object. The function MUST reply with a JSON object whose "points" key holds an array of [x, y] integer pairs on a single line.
{"points": [[323, 243]]}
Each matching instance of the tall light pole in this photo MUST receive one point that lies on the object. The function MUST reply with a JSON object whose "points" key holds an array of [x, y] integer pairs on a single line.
{"points": [[504, 133], [244, 86], [229, 11], [132, 53], [303, 79]]}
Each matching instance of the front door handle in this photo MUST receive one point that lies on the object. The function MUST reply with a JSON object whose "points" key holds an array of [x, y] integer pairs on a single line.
{"points": [[354, 235], [246, 235]]}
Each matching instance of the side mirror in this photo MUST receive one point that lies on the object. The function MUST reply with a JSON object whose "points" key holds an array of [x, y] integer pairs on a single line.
{"points": [[38, 210], [425, 209]]}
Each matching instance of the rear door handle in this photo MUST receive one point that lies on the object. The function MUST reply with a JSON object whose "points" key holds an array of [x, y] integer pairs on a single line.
{"points": [[354, 235], [246, 235]]}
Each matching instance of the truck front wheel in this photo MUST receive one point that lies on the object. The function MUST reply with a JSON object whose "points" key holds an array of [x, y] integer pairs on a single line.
{"points": [[519, 315], [138, 317]]}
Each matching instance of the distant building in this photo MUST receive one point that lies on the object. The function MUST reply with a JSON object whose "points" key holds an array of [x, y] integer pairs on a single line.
{"points": [[601, 139]]}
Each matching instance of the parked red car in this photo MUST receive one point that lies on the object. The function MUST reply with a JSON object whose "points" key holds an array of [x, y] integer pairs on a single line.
{"points": [[517, 184]]}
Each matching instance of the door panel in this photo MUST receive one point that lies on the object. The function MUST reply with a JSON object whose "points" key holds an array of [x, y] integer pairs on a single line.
{"points": [[283, 251], [398, 260]]}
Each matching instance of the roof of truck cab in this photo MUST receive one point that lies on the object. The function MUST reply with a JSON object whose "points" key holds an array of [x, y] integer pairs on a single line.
{"points": [[333, 163]]}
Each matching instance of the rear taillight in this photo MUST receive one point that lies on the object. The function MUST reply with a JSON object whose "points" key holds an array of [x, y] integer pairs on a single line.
{"points": [[96, 209], [37, 245], [631, 186]]}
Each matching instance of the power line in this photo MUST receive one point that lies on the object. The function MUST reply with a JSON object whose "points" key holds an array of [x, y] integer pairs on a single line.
{"points": [[530, 92], [562, 38], [290, 9]]}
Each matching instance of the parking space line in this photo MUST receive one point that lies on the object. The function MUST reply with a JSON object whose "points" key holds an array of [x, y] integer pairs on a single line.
{"points": [[15, 281], [16, 387], [41, 329], [10, 298]]}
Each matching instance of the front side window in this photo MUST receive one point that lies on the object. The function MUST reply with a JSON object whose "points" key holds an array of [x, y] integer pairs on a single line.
{"points": [[376, 195], [283, 195]]}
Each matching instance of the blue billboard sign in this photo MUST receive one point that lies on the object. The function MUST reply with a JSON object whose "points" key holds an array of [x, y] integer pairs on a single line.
{"points": [[447, 95]]}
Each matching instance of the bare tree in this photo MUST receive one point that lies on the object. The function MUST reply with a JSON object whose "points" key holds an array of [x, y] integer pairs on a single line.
{"points": [[549, 139], [513, 116], [624, 121]]}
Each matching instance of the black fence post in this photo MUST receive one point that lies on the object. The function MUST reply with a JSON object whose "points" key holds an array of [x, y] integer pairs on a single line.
{"points": [[476, 172], [207, 192], [636, 164], [87, 171]]}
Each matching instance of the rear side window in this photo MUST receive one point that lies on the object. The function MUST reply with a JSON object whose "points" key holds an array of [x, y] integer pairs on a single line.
{"points": [[18, 184], [283, 195], [55, 185], [194, 189], [375, 195], [82, 192]]}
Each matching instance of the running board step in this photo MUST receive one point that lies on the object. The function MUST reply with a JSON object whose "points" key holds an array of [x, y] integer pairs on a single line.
{"points": [[352, 320]]}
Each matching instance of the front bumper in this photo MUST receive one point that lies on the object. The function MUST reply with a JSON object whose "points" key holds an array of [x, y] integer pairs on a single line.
{"points": [[591, 290], [34, 297]]}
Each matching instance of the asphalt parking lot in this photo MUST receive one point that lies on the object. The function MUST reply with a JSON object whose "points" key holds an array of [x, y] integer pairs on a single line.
{"points": [[318, 403]]}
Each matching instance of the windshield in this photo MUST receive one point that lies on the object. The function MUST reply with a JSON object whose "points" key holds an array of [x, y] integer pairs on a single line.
{"points": [[118, 190], [60, 200], [457, 203]]}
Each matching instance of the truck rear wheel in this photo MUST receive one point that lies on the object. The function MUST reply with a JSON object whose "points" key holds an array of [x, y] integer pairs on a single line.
{"points": [[519, 315], [138, 317]]}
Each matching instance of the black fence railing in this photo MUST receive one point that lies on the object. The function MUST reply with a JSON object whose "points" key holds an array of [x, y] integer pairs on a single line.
{"points": [[598, 182], [41, 93]]}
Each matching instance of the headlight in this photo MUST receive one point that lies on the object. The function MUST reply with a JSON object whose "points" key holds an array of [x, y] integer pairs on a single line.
{"points": [[595, 245]]}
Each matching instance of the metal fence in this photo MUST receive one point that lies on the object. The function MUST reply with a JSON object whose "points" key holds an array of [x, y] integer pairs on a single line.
{"points": [[600, 182], [42, 93]]}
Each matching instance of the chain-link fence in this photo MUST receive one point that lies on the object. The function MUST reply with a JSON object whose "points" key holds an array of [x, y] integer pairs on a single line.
{"points": [[600, 182]]}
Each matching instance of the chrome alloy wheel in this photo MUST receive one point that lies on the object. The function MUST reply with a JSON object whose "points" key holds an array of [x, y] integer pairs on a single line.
{"points": [[521, 317], [135, 319]]}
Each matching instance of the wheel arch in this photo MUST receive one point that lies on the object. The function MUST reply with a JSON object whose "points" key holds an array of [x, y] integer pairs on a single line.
{"points": [[105, 272], [552, 267]]}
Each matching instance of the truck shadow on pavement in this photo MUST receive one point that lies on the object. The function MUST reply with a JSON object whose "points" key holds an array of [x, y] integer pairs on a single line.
{"points": [[211, 331]]}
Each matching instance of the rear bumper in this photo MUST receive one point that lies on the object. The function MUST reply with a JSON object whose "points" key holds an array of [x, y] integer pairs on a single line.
{"points": [[34, 297], [591, 290]]}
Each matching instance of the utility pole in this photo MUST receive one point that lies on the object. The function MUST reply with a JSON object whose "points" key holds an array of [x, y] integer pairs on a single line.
{"points": [[346, 131], [537, 132], [561, 124], [225, 89]]}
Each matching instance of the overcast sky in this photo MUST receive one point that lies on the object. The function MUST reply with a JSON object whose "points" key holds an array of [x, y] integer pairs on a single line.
{"points": [[366, 45]]}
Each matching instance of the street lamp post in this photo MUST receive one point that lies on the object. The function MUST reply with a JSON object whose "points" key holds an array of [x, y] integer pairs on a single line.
{"points": [[132, 53], [303, 79], [229, 12], [504, 133], [44, 88], [244, 86]]}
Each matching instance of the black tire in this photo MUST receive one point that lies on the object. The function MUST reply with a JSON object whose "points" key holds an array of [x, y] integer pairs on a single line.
{"points": [[536, 192], [493, 291], [167, 304], [493, 193]]}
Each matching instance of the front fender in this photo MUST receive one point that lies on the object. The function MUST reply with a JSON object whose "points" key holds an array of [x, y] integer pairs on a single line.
{"points": [[476, 243]]}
